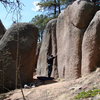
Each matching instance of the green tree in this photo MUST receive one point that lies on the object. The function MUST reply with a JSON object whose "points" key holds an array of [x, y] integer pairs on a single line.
{"points": [[40, 21], [53, 7], [49, 6]]}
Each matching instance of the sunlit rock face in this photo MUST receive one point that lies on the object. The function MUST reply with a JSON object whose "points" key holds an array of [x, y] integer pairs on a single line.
{"points": [[91, 46], [71, 25]]}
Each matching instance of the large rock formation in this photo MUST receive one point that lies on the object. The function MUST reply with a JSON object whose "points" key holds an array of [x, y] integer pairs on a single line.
{"points": [[91, 46], [70, 28], [48, 46], [2, 29], [71, 24], [18, 51]]}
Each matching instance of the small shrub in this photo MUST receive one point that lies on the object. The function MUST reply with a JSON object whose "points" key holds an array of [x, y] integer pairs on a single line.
{"points": [[87, 94]]}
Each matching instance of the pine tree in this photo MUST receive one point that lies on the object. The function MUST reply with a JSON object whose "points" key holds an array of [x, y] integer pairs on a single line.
{"points": [[49, 6], [53, 7], [40, 21]]}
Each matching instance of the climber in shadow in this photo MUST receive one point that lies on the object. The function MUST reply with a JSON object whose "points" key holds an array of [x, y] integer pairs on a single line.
{"points": [[50, 59], [49, 79]]}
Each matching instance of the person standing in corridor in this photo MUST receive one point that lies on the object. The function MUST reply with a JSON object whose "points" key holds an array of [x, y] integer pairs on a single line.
{"points": [[50, 64]]}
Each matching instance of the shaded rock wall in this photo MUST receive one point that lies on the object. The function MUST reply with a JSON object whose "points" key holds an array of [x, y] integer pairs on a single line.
{"points": [[2, 29], [26, 51]]}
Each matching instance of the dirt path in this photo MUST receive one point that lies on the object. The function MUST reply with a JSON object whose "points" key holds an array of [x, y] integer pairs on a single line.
{"points": [[60, 90]]}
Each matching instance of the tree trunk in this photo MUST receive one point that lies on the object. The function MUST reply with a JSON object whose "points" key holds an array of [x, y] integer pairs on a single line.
{"points": [[55, 7], [59, 6]]}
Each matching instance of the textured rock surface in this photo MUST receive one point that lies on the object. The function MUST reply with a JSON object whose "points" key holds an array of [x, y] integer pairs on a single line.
{"points": [[83, 14], [2, 29], [27, 53], [91, 46], [61, 50], [48, 46], [71, 25]]}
